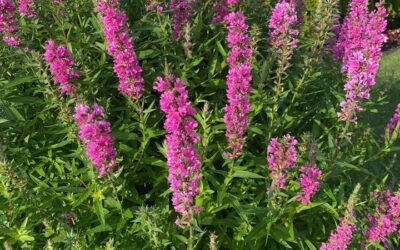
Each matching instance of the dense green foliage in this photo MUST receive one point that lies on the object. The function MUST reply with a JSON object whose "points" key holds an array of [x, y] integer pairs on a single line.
{"points": [[51, 198]]}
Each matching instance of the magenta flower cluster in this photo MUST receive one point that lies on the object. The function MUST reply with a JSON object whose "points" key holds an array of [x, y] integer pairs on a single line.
{"points": [[183, 160], [96, 132], [282, 156], [121, 48], [360, 43], [182, 12], [283, 27], [222, 9], [238, 83], [341, 238], [394, 121], [309, 183], [155, 5], [27, 8], [61, 67], [8, 23], [386, 220]]}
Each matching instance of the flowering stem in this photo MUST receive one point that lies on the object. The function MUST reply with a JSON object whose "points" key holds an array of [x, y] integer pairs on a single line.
{"points": [[191, 238], [227, 181]]}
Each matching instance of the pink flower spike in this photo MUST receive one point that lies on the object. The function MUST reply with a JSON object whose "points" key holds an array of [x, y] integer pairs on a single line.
{"points": [[8, 23], [309, 183], [27, 8], [121, 48], [183, 159], [182, 12], [341, 239], [282, 156], [283, 27], [61, 65], [386, 219], [238, 83], [359, 45], [96, 133]]}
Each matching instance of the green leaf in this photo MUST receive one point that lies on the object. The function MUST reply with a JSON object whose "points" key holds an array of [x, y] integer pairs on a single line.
{"points": [[85, 195], [99, 229], [3, 120], [98, 206], [247, 174]]}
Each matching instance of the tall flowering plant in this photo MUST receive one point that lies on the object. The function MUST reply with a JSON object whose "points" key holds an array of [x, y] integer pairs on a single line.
{"points": [[342, 237], [283, 27], [183, 159], [238, 83], [282, 156], [386, 219], [360, 42], [121, 48], [96, 133], [221, 8], [61, 65], [8, 23], [182, 12], [309, 183]]}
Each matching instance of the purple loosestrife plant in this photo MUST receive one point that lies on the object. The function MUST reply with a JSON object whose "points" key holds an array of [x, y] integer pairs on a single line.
{"points": [[386, 219], [283, 27], [121, 48], [27, 8], [222, 9], [343, 235], [238, 83], [341, 238], [282, 156], [309, 183], [360, 42], [96, 133], [8, 23], [394, 122], [61, 65], [156, 5], [182, 12], [183, 159]]}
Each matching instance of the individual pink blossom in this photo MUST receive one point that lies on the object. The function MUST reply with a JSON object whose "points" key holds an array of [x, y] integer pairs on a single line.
{"points": [[182, 12], [156, 5], [8, 23], [121, 48], [359, 45], [27, 8], [394, 122], [309, 183], [282, 156], [341, 238], [96, 133], [386, 219], [183, 159], [284, 28], [61, 65], [238, 83]]}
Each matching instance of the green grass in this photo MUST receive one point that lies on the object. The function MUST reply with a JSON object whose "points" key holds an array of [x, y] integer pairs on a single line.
{"points": [[388, 81]]}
